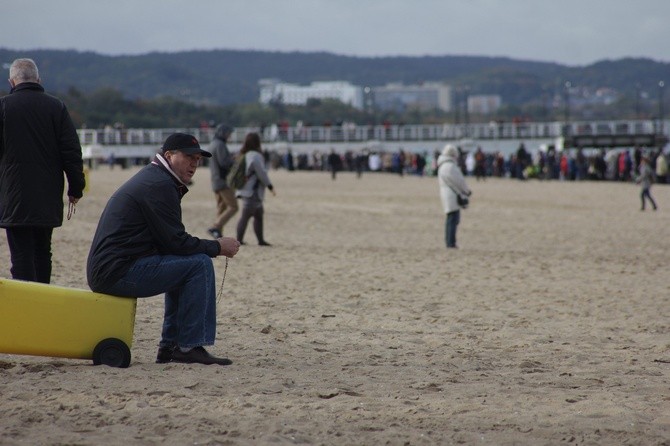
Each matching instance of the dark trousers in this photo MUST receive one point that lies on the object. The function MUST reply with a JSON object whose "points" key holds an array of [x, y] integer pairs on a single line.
{"points": [[646, 194], [30, 250], [251, 208], [453, 219]]}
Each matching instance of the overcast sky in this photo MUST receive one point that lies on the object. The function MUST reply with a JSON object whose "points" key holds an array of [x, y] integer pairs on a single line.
{"points": [[572, 32]]}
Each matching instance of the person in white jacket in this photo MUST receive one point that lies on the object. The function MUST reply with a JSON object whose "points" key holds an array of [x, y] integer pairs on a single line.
{"points": [[253, 191], [661, 167], [452, 185]]}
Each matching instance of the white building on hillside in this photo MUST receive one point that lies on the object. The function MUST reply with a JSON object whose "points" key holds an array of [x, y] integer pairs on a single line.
{"points": [[484, 104], [274, 90], [426, 96]]}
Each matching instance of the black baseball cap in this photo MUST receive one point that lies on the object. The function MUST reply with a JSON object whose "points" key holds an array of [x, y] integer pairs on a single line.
{"points": [[184, 143]]}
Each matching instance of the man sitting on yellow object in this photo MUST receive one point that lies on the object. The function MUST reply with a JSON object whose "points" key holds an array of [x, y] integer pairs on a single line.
{"points": [[141, 249]]}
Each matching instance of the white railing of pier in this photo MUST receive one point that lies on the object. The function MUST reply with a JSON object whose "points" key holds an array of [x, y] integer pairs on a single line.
{"points": [[362, 133]]}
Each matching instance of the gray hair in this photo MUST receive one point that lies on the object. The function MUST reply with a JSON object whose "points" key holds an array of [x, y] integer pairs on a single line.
{"points": [[24, 70]]}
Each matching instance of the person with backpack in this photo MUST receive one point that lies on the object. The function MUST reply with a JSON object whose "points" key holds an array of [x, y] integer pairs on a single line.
{"points": [[253, 191], [219, 167]]}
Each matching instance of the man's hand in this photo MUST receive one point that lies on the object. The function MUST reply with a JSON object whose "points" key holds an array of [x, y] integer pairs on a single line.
{"points": [[229, 246], [72, 199]]}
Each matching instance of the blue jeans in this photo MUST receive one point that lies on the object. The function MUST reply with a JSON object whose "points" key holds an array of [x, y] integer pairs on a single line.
{"points": [[190, 295], [453, 219]]}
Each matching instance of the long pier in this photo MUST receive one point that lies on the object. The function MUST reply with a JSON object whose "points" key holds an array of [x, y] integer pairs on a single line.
{"points": [[506, 136]]}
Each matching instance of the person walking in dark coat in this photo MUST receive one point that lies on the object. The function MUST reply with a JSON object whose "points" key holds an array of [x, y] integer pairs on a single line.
{"points": [[219, 166], [38, 143], [334, 163]]}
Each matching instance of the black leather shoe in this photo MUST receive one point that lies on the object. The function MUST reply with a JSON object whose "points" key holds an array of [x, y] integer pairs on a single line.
{"points": [[263, 243], [198, 355], [164, 355]]}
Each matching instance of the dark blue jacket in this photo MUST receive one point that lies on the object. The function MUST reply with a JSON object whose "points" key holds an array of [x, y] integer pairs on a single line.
{"points": [[38, 142], [142, 218]]}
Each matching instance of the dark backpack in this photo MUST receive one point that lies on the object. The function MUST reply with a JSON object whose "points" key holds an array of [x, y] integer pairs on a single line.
{"points": [[237, 175]]}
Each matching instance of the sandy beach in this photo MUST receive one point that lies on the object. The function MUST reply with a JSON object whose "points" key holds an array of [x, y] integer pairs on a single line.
{"points": [[550, 325]]}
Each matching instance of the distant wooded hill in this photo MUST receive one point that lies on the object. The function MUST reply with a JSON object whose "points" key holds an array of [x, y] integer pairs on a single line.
{"points": [[224, 77]]}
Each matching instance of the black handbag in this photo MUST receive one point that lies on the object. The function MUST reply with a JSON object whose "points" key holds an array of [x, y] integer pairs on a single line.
{"points": [[462, 201]]}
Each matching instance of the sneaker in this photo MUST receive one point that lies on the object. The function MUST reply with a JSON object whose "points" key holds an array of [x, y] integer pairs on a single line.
{"points": [[214, 232], [198, 355], [263, 243], [164, 355]]}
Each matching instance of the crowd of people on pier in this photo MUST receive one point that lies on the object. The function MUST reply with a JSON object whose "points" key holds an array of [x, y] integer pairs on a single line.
{"points": [[613, 164]]}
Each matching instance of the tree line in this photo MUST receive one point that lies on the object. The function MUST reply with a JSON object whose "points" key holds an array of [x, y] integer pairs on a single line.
{"points": [[187, 88], [109, 107]]}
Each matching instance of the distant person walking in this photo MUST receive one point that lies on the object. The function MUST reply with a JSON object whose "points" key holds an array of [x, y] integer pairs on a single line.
{"points": [[661, 167], [645, 179], [38, 143], [452, 185], [334, 163], [522, 161], [219, 166], [480, 164], [253, 192]]}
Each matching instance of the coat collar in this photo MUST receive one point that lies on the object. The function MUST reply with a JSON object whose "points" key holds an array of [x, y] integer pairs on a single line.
{"points": [[162, 163], [27, 86]]}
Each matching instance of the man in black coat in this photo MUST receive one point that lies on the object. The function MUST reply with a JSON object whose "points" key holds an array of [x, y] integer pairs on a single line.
{"points": [[38, 142], [141, 249]]}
